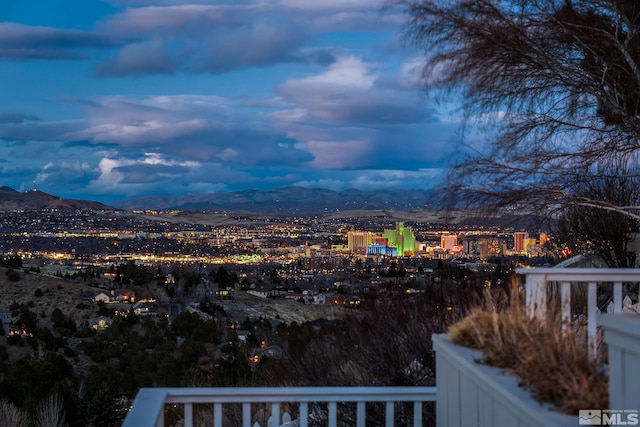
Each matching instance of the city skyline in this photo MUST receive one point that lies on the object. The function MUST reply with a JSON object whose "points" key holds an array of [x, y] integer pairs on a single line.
{"points": [[113, 100]]}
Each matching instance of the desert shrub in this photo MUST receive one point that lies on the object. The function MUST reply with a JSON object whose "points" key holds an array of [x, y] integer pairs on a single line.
{"points": [[69, 352], [15, 340], [13, 275]]}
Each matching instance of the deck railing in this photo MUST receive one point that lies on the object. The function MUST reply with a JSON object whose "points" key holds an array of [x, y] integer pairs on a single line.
{"points": [[540, 281], [150, 404]]}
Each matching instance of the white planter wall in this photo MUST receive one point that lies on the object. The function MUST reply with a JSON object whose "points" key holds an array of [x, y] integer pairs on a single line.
{"points": [[622, 335], [470, 394]]}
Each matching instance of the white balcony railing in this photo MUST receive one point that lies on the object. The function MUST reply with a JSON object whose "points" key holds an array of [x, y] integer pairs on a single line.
{"points": [[148, 409], [151, 404], [540, 281]]}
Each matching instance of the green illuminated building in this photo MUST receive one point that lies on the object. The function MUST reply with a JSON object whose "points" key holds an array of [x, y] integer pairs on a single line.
{"points": [[401, 238]]}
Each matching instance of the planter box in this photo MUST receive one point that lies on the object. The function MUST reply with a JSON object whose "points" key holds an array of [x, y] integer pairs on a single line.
{"points": [[470, 394], [622, 334]]}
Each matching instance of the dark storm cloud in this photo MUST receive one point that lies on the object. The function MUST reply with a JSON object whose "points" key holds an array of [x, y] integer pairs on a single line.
{"points": [[33, 42], [7, 117], [188, 128], [37, 131], [321, 57], [203, 39], [217, 38]]}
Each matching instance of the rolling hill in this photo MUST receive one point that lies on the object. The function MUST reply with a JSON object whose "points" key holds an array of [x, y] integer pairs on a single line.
{"points": [[11, 199]]}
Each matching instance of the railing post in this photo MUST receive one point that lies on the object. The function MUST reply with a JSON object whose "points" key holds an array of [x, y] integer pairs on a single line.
{"points": [[188, 415], [417, 414], [246, 414], [217, 414], [333, 414], [389, 414], [304, 414], [617, 298], [592, 309], [275, 413], [565, 301], [536, 294], [360, 414]]}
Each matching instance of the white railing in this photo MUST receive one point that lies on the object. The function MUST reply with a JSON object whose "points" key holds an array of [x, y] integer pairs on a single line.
{"points": [[538, 281], [149, 406]]}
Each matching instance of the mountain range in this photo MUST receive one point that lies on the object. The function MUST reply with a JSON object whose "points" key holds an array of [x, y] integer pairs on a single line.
{"points": [[281, 200], [288, 200], [11, 199]]}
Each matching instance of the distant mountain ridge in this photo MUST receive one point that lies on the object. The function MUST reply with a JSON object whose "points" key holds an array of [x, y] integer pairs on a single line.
{"points": [[288, 200], [11, 199]]}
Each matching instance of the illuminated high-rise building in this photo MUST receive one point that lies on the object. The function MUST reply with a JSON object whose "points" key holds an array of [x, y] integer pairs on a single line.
{"points": [[449, 241], [401, 238], [519, 239], [543, 238], [381, 241], [530, 246], [357, 241], [490, 247]]}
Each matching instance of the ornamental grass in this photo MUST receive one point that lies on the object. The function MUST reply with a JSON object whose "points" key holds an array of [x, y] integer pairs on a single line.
{"points": [[551, 359]]}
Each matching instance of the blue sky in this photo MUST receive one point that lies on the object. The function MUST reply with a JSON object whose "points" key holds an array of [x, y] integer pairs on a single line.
{"points": [[113, 100]]}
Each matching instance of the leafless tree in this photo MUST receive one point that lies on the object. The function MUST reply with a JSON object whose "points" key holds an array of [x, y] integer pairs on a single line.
{"points": [[609, 234], [385, 343], [550, 87]]}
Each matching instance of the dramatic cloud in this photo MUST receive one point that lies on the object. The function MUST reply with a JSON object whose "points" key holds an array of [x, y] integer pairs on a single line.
{"points": [[16, 117], [347, 92], [217, 38], [205, 39], [33, 42], [171, 97], [189, 127], [352, 117]]}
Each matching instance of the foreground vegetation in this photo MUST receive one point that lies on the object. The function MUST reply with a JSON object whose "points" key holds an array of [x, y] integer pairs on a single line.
{"points": [[551, 358], [93, 376]]}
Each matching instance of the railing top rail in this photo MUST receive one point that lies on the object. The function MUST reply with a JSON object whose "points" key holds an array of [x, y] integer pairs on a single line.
{"points": [[584, 274], [146, 408], [299, 394]]}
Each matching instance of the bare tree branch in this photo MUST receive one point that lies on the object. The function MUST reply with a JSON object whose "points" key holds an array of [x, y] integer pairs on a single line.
{"points": [[553, 88]]}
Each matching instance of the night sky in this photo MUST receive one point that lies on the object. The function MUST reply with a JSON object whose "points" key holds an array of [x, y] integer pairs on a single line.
{"points": [[113, 100]]}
